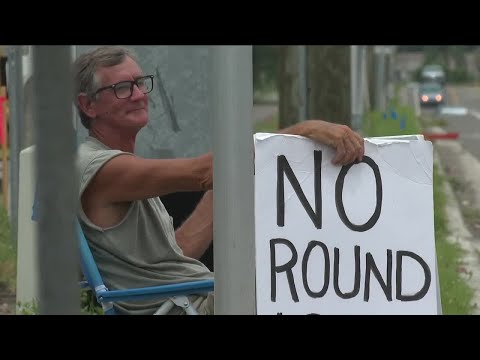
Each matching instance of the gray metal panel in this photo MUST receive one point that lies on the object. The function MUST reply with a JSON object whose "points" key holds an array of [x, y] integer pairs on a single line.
{"points": [[180, 124]]}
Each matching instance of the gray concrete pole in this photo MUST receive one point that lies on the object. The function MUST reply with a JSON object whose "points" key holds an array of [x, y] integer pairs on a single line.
{"points": [[362, 61], [58, 254], [355, 86], [15, 92], [302, 82], [365, 102], [234, 242], [380, 79]]}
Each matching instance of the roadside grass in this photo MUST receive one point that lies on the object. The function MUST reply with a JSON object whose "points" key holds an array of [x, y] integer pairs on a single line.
{"points": [[456, 295], [398, 120]]}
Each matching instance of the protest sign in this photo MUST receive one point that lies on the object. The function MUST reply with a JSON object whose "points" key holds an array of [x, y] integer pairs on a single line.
{"points": [[354, 239]]}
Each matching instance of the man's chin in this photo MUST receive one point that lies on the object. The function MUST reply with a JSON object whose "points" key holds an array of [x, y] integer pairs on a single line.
{"points": [[139, 121]]}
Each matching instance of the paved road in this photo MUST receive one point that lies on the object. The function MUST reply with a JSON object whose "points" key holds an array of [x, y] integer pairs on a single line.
{"points": [[463, 158], [263, 112], [468, 126]]}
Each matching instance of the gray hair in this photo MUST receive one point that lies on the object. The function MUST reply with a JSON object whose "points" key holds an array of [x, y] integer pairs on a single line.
{"points": [[86, 66]]}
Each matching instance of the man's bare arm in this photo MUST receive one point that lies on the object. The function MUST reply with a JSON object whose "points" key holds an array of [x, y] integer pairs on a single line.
{"points": [[127, 178], [348, 144], [196, 233]]}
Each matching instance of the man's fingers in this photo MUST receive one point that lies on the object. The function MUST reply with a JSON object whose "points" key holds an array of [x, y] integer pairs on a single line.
{"points": [[349, 147], [358, 144], [350, 150], [361, 146], [340, 152]]}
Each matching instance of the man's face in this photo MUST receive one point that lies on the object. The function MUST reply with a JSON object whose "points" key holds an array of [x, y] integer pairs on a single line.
{"points": [[130, 112]]}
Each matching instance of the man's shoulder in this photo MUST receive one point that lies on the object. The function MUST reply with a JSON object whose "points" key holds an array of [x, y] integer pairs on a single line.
{"points": [[91, 144], [91, 151]]}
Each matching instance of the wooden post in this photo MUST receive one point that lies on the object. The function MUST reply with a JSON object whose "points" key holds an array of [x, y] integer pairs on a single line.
{"points": [[4, 148]]}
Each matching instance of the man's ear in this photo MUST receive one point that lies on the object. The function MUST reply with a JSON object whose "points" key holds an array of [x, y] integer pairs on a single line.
{"points": [[87, 105]]}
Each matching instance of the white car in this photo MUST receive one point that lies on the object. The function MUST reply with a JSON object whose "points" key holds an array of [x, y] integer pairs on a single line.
{"points": [[433, 73]]}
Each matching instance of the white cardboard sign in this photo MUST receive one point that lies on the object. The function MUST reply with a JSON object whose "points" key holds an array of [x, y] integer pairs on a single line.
{"points": [[357, 239]]}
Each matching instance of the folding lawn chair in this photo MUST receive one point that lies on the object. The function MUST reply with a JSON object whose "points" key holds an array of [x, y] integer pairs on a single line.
{"points": [[175, 293]]}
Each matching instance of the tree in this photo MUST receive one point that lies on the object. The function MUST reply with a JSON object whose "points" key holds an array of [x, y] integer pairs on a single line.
{"points": [[288, 90], [265, 67], [328, 73], [329, 79]]}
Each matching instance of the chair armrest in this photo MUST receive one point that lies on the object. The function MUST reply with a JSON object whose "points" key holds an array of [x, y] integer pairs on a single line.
{"points": [[161, 291]]}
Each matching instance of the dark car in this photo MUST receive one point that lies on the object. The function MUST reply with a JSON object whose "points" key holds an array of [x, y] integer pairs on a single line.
{"points": [[431, 93]]}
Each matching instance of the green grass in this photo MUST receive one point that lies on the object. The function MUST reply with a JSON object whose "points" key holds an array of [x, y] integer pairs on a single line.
{"points": [[390, 123], [455, 294], [8, 255]]}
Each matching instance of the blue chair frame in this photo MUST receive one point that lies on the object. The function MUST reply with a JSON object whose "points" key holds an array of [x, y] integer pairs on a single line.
{"points": [[174, 293]]}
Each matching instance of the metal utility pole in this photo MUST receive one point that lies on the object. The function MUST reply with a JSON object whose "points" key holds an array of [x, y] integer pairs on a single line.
{"points": [[380, 78], [365, 102], [383, 89], [302, 83], [356, 86], [234, 235], [57, 192]]}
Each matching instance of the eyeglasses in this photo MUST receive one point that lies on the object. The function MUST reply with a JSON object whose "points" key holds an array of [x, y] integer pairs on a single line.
{"points": [[124, 89]]}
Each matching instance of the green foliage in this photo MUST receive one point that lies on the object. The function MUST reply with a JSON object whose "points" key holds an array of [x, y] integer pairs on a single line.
{"points": [[451, 58], [89, 305], [397, 120], [458, 76], [455, 294], [265, 67], [27, 308]]}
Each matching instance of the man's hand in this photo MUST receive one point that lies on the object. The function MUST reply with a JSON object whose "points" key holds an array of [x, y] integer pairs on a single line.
{"points": [[348, 144]]}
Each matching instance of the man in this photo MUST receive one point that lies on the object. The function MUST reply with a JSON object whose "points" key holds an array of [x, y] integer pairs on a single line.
{"points": [[126, 224]]}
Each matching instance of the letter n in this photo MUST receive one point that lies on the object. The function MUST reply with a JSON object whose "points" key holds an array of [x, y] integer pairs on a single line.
{"points": [[283, 168]]}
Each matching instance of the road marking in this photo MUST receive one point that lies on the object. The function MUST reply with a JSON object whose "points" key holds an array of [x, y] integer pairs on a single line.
{"points": [[450, 110]]}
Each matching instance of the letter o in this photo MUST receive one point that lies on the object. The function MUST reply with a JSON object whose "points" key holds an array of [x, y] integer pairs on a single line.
{"points": [[339, 196]]}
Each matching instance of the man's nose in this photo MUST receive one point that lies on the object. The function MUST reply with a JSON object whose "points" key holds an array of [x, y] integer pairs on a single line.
{"points": [[137, 93]]}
